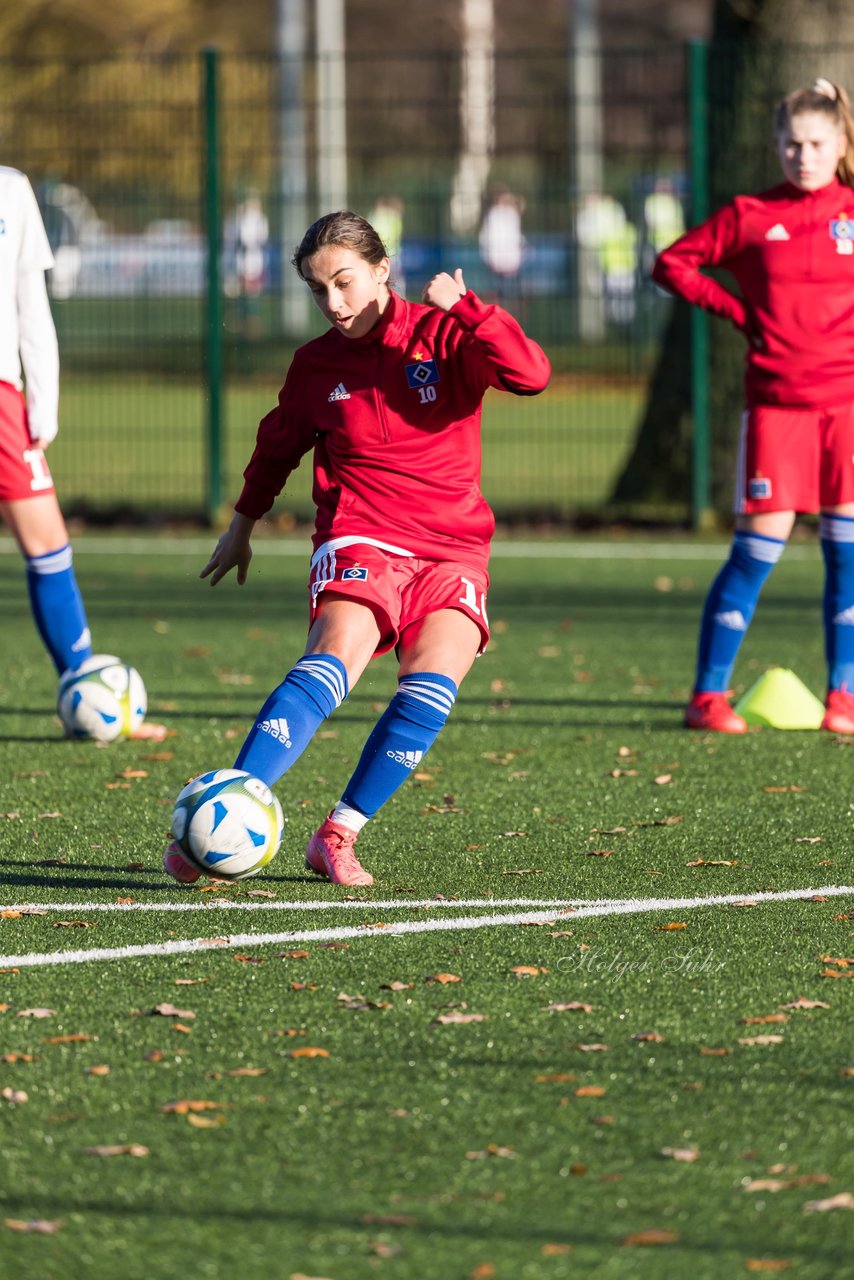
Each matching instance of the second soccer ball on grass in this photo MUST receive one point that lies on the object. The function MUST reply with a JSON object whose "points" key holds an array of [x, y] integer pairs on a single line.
{"points": [[103, 699]]}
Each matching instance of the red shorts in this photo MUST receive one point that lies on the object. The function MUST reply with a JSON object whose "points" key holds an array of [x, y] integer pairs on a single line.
{"points": [[795, 459], [399, 589], [24, 472]]}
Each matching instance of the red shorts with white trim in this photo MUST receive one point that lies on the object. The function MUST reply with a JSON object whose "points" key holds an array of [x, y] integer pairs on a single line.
{"points": [[399, 589], [795, 459], [24, 472]]}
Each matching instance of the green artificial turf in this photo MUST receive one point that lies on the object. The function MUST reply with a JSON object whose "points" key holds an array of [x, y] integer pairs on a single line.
{"points": [[411, 1147]]}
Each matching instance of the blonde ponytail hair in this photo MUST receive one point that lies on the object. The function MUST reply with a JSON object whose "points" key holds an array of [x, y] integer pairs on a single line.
{"points": [[824, 98]]}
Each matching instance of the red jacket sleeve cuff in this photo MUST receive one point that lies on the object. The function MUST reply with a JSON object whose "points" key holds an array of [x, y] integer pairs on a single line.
{"points": [[253, 503]]}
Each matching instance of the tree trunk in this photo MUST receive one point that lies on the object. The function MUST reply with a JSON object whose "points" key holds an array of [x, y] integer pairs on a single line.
{"points": [[749, 71]]}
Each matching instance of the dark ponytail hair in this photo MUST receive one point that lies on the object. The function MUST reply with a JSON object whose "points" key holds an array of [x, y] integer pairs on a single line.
{"points": [[349, 230]]}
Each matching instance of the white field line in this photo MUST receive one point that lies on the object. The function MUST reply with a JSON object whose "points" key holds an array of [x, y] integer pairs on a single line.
{"points": [[201, 549], [630, 906], [223, 904]]}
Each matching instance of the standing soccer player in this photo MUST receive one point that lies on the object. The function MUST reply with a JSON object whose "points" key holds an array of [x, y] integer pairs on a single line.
{"points": [[791, 250], [389, 399], [28, 502]]}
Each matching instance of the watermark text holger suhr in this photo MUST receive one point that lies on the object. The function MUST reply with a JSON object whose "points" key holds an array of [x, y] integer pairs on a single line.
{"points": [[613, 965]]}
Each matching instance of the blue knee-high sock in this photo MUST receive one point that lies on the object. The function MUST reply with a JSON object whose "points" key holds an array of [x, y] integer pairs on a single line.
{"points": [[730, 606], [837, 545], [57, 607], [291, 715], [399, 741]]}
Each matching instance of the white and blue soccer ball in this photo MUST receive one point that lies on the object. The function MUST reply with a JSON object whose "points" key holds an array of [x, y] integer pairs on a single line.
{"points": [[103, 698], [228, 823]]}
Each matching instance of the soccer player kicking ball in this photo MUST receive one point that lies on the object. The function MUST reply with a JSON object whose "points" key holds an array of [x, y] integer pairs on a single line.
{"points": [[389, 399], [791, 250], [28, 501]]}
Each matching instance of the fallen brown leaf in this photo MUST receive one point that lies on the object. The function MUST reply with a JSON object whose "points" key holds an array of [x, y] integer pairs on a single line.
{"points": [[308, 1051], [760, 1039], [590, 1091], [569, 1007], [844, 1200], [766, 1264], [35, 1013], [167, 1010], [674, 924], [653, 1235], [205, 1122], [684, 1154], [34, 1226], [443, 978], [803, 1003], [16, 1096], [184, 1106], [135, 1149]]}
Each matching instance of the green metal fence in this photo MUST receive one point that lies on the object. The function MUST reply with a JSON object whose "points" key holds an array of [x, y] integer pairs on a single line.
{"points": [[174, 191]]}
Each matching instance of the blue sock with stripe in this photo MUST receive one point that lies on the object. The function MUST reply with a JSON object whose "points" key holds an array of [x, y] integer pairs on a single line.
{"points": [[291, 716], [399, 741], [57, 607], [837, 545], [730, 606]]}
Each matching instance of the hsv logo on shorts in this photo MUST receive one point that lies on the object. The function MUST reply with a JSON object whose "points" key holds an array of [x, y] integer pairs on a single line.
{"points": [[354, 574], [759, 487]]}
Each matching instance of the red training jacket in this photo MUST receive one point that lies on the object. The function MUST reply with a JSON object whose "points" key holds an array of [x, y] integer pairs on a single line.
{"points": [[792, 255], [394, 421]]}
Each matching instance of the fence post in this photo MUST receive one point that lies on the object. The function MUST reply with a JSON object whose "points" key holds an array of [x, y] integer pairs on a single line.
{"points": [[213, 298], [698, 89]]}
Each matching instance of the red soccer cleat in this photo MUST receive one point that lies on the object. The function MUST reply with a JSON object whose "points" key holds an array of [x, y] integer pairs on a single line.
{"points": [[330, 853], [712, 712], [177, 866], [839, 711]]}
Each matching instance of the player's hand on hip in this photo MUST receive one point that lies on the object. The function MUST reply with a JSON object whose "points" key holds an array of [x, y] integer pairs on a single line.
{"points": [[443, 291], [231, 551]]}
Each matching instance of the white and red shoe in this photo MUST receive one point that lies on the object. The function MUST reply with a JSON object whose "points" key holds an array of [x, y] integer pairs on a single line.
{"points": [[839, 711], [712, 712], [179, 867], [330, 853]]}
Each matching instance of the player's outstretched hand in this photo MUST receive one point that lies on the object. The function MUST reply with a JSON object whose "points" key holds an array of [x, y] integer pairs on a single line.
{"points": [[443, 291], [232, 550]]}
